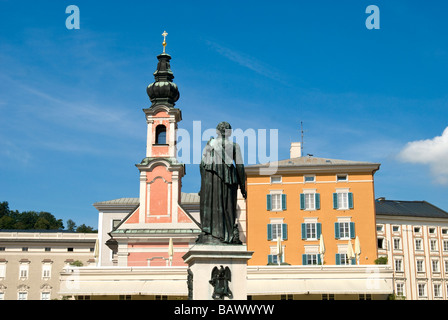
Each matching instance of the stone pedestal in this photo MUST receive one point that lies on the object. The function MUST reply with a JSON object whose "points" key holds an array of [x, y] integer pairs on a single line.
{"points": [[201, 260]]}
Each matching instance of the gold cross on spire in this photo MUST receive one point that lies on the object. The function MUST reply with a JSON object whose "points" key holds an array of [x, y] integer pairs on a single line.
{"points": [[164, 34]]}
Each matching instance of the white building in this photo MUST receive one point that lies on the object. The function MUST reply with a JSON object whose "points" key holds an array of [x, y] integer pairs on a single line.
{"points": [[31, 261], [413, 235]]}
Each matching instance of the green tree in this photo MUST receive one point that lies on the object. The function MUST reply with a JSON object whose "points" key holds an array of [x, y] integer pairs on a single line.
{"points": [[71, 225], [53, 223], [26, 220], [85, 229], [42, 224], [4, 209], [7, 222]]}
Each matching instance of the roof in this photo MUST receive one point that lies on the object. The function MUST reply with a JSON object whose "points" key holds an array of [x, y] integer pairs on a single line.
{"points": [[186, 198], [409, 209], [308, 162], [156, 231]]}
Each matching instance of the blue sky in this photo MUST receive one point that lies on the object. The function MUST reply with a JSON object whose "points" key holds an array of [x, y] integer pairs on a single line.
{"points": [[72, 128]]}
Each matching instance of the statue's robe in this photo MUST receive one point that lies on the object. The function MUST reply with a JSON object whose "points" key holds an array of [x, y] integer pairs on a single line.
{"points": [[220, 179]]}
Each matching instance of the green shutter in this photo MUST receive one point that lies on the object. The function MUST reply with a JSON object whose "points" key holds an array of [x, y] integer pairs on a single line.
{"points": [[338, 258], [317, 200], [336, 230], [283, 201], [270, 259], [304, 259], [335, 200], [352, 230], [269, 231], [285, 231], [353, 261], [302, 201], [303, 231], [350, 200], [318, 230], [319, 261], [268, 202]]}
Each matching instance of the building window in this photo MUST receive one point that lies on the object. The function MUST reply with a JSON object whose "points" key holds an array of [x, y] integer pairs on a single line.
{"points": [[309, 179], [445, 231], [311, 259], [421, 290], [400, 289], [435, 265], [276, 201], [2, 248], [365, 296], [160, 134], [24, 249], [309, 200], [286, 297], [344, 230], [328, 296], [23, 271], [45, 296], [341, 178], [417, 229], [396, 228], [398, 265], [47, 249], [23, 295], [276, 179], [343, 260], [381, 243], [311, 230], [124, 297], [397, 243], [46, 270], [2, 270], [273, 258], [446, 266], [161, 297], [418, 244], [445, 245], [276, 230], [420, 265], [437, 290], [343, 200], [432, 231], [70, 249], [379, 228], [433, 245]]}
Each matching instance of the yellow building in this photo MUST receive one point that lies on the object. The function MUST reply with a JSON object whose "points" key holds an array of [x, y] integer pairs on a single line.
{"points": [[308, 197]]}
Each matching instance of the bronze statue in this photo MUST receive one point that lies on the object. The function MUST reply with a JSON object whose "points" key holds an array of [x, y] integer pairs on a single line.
{"points": [[222, 172]]}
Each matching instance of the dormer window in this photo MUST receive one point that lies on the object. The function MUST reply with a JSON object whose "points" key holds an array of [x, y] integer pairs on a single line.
{"points": [[160, 134]]}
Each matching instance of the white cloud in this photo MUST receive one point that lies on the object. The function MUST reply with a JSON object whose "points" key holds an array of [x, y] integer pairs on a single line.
{"points": [[431, 152]]}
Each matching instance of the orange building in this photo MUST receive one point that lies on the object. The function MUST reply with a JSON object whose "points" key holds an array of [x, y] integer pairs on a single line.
{"points": [[305, 199]]}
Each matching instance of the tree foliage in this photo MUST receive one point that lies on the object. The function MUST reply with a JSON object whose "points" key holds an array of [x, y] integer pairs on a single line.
{"points": [[27, 220]]}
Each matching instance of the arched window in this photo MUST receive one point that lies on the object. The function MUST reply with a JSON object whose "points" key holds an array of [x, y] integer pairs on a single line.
{"points": [[160, 134]]}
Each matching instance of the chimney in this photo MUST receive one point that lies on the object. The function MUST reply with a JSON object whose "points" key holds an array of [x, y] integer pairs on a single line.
{"points": [[295, 150]]}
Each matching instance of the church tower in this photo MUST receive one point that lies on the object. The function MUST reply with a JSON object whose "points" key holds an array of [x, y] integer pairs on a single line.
{"points": [[160, 172], [159, 225]]}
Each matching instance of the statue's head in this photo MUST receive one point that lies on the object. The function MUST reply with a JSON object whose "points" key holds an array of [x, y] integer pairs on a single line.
{"points": [[224, 129]]}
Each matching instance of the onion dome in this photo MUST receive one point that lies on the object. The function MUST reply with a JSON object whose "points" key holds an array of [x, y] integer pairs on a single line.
{"points": [[163, 91]]}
